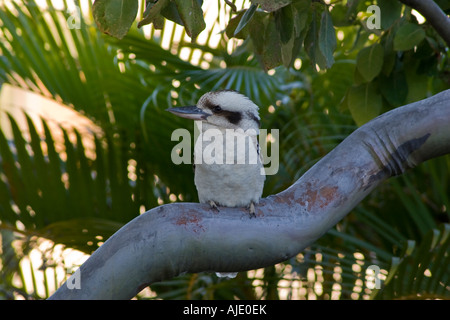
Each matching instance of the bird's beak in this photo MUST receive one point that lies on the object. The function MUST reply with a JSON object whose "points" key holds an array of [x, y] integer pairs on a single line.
{"points": [[190, 112]]}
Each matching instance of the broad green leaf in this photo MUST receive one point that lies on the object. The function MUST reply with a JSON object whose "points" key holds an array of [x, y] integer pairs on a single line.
{"points": [[311, 42], [390, 56], [327, 38], [408, 36], [370, 61], [290, 43], [170, 12], [271, 5], [358, 78], [152, 13], [417, 85], [301, 13], [191, 14], [390, 12], [290, 50], [115, 17], [364, 103], [285, 23], [301, 18], [257, 31], [248, 15], [230, 30], [287, 51], [341, 13], [394, 88], [272, 46]]}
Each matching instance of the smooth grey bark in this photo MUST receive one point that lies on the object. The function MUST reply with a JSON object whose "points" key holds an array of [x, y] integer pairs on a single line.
{"points": [[189, 237]]}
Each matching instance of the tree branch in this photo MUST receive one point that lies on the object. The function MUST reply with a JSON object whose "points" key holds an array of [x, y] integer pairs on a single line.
{"points": [[434, 15], [189, 237]]}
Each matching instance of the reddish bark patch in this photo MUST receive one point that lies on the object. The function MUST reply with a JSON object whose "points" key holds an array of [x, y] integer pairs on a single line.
{"points": [[190, 221], [317, 198]]}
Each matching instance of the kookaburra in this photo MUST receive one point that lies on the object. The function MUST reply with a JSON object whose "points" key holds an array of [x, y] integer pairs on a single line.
{"points": [[228, 166]]}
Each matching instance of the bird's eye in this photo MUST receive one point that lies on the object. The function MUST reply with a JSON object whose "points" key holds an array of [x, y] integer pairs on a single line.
{"points": [[217, 109]]}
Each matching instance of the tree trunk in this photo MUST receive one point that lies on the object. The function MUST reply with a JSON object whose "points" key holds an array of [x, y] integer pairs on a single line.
{"points": [[189, 237]]}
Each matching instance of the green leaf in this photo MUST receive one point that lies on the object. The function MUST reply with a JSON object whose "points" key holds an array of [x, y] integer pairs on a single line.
{"points": [[257, 31], [230, 30], [301, 13], [191, 14], [272, 54], [390, 12], [417, 85], [370, 61], [327, 38], [170, 12], [358, 78], [408, 36], [298, 12], [284, 21], [311, 42], [394, 88], [364, 103], [290, 50], [271, 5], [248, 15], [115, 17], [152, 13]]}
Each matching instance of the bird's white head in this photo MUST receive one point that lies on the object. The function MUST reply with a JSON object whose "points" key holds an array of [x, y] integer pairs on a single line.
{"points": [[225, 109]]}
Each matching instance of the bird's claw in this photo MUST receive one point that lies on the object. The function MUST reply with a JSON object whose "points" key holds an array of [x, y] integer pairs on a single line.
{"points": [[213, 206], [252, 210]]}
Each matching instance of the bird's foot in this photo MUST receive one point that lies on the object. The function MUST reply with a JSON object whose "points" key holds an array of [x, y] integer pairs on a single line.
{"points": [[213, 205], [252, 210]]}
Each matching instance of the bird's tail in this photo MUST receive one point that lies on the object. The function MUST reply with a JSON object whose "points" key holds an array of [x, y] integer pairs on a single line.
{"points": [[226, 274]]}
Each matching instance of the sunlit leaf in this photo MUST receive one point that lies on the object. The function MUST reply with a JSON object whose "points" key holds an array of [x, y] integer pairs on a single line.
{"points": [[408, 36], [191, 14], [114, 17], [364, 103], [152, 13], [370, 61], [327, 38], [390, 12], [246, 17], [271, 5]]}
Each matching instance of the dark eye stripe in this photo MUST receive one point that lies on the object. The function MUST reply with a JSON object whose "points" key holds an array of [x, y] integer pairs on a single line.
{"points": [[233, 117], [209, 105]]}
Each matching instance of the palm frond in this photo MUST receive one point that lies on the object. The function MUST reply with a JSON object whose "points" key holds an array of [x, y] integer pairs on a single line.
{"points": [[47, 191], [422, 271]]}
